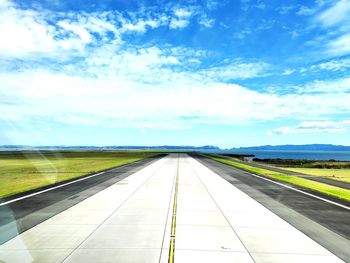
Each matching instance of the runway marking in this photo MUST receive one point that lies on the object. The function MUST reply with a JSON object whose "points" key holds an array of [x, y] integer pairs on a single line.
{"points": [[173, 221]]}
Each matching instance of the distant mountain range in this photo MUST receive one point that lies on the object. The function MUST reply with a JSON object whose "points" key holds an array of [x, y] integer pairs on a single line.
{"points": [[208, 148]]}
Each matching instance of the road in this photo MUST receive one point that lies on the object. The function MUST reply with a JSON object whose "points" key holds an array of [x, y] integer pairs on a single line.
{"points": [[175, 209]]}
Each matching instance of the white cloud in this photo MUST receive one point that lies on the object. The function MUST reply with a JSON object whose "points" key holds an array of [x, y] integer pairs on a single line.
{"points": [[181, 18], [283, 10], [303, 70], [329, 86], [288, 71], [144, 65], [237, 70], [305, 11], [332, 65], [118, 84], [206, 22], [100, 25], [121, 95], [212, 4], [321, 3], [23, 31], [140, 25], [294, 34], [266, 24], [332, 87], [313, 127], [243, 33], [336, 14], [34, 34], [260, 5], [182, 12], [179, 23], [124, 102], [335, 19], [339, 46], [80, 31]]}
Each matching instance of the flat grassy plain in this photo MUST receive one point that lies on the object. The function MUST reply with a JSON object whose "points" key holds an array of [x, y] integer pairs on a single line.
{"points": [[23, 171], [303, 163], [336, 174], [305, 183]]}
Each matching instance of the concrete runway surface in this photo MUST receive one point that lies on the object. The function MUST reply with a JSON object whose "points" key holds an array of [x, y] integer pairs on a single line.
{"points": [[173, 210]]}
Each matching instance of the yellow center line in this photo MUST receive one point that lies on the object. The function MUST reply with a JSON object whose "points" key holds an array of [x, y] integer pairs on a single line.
{"points": [[173, 222]]}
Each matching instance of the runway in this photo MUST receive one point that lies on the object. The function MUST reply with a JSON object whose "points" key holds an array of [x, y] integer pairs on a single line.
{"points": [[23, 211], [173, 210]]}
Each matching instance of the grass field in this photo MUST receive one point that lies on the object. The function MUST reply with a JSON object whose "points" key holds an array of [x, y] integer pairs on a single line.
{"points": [[303, 163], [336, 174], [20, 172], [305, 183]]}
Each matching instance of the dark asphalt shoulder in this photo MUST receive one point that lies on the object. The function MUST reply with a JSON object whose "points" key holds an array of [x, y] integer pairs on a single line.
{"points": [[319, 179]]}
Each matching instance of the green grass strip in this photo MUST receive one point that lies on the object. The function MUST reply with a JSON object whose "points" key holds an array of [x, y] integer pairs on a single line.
{"points": [[20, 172], [305, 183], [334, 174]]}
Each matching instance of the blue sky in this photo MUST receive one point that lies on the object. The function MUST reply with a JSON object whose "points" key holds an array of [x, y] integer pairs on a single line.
{"points": [[226, 73]]}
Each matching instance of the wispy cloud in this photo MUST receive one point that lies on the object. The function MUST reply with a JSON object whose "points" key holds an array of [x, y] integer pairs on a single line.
{"points": [[336, 14], [332, 87], [336, 18], [142, 25], [288, 71], [285, 9], [332, 65], [181, 18], [327, 86], [305, 11], [206, 22], [237, 70], [337, 65], [339, 46], [313, 127], [212, 4]]}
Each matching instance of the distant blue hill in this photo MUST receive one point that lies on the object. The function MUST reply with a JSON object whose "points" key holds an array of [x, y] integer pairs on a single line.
{"points": [[305, 147], [163, 147]]}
